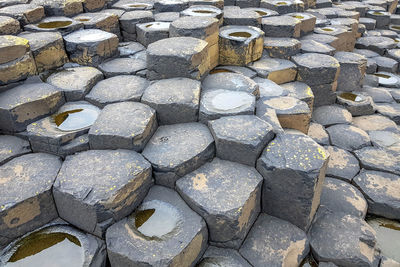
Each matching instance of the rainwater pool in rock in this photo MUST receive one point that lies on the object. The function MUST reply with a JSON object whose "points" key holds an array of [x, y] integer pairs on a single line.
{"points": [[229, 100], [75, 119], [388, 236]]}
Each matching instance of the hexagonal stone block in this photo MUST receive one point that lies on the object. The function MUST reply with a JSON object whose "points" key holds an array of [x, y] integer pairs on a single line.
{"points": [[331, 115], [177, 57], [60, 7], [311, 46], [117, 89], [163, 231], [377, 44], [9, 25], [47, 49], [390, 110], [293, 166], [375, 122], [151, 32], [240, 138], [348, 137], [341, 197], [281, 26], [127, 49], [316, 69], [378, 159], [75, 82], [63, 25], [386, 64], [122, 66], [26, 199], [127, 125], [12, 147], [95, 188], [346, 37], [387, 230], [176, 100], [128, 5], [275, 69], [307, 21], [292, 113], [240, 45], [166, 16], [356, 103], [269, 88], [283, 7], [230, 81], [382, 18], [175, 150], [227, 195], [282, 47], [27, 103], [24, 13], [274, 242], [91, 47], [129, 20], [318, 134], [344, 240], [342, 164], [238, 16], [300, 91], [170, 6], [352, 70], [385, 139], [223, 257], [93, 5], [205, 9], [103, 21]]}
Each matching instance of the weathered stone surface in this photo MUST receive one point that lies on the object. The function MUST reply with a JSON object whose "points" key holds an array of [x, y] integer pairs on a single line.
{"points": [[129, 20], [342, 164], [174, 235], [167, 16], [205, 9], [27, 103], [75, 82], [9, 25], [346, 37], [387, 79], [386, 139], [382, 18], [269, 115], [275, 69], [60, 7], [311, 46], [26, 200], [375, 122], [274, 242], [103, 21], [227, 195], [132, 6], [378, 159], [12, 147], [352, 70], [381, 189], [117, 89], [348, 137], [281, 26], [386, 64], [240, 138], [377, 44], [330, 115], [282, 47], [170, 6], [269, 88], [122, 66], [344, 240], [127, 49], [387, 236], [223, 257], [293, 167], [151, 32], [235, 69], [391, 110], [176, 100], [24, 13], [175, 150], [239, 16], [127, 125], [78, 144], [318, 134], [357, 104], [92, 196], [63, 25], [177, 57], [232, 82]]}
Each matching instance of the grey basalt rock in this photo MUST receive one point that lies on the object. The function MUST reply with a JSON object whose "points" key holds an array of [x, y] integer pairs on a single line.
{"points": [[386, 139], [281, 26], [318, 133], [227, 195], [282, 47], [129, 20], [391, 110], [151, 32], [357, 104], [239, 16], [122, 66], [175, 150], [348, 137], [222, 257], [375, 122], [378, 159], [9, 25], [173, 234], [342, 164], [104, 21], [27, 202], [293, 166], [352, 70], [275, 69], [274, 242], [12, 147], [68, 25], [331, 115], [269, 88], [311, 46], [240, 138], [230, 81], [377, 44], [95, 188]]}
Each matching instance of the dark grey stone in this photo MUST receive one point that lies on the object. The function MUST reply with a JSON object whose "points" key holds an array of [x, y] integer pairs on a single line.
{"points": [[311, 46], [342, 164], [151, 32], [358, 104], [379, 159], [129, 20], [282, 47], [122, 66], [231, 81], [276, 69], [348, 137], [386, 64], [330, 115], [352, 70], [281, 26], [238, 16], [12, 147], [377, 44], [324, 94], [379, 94], [318, 134], [222, 257]]}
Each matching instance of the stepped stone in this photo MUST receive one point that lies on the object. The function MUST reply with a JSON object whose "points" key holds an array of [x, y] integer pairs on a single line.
{"points": [[227, 195], [274, 242], [282, 47], [151, 32], [170, 6], [281, 26], [300, 91], [122, 66], [129, 20], [391, 110], [318, 134], [377, 44], [217, 3], [177, 57], [175, 150], [9, 25], [348, 137], [60, 7], [342, 164], [26, 201], [78, 144], [103, 21], [132, 6], [357, 104], [375, 122], [117, 89], [93, 5], [176, 100], [386, 64], [346, 37], [311, 46], [379, 95], [344, 240], [24, 13], [352, 70], [269, 115], [240, 138], [92, 197], [173, 234], [386, 139], [126, 125], [75, 82], [330, 115], [275, 69], [283, 7], [232, 82], [382, 18], [27, 103], [378, 159], [223, 257], [270, 89], [293, 167], [235, 69], [62, 25], [239, 16], [204, 10], [12, 147], [127, 49], [307, 21], [91, 47]]}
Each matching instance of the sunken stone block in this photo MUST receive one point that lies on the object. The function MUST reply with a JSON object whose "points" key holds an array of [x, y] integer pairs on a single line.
{"points": [[26, 199], [379, 159], [240, 45], [352, 70], [47, 49], [127, 125], [151, 32], [356, 104], [342, 164], [223, 257], [163, 231], [177, 57], [91, 47], [227, 195], [122, 66], [75, 82], [241, 138], [27, 103], [348, 137], [281, 26], [176, 100], [274, 242], [95, 188], [275, 69], [293, 166], [9, 25], [175, 150], [292, 113], [12, 147], [129, 20], [117, 89], [381, 191]]}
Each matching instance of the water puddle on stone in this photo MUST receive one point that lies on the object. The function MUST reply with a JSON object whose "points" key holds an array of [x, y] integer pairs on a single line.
{"points": [[297, 17], [240, 34], [75, 119], [54, 24], [281, 3], [261, 13], [229, 100], [220, 70], [386, 79], [377, 13], [388, 236], [48, 250], [159, 25], [352, 97], [203, 11], [395, 27], [327, 29], [156, 218], [138, 5], [83, 20]]}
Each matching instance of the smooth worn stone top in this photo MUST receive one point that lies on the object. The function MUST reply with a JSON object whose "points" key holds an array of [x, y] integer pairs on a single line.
{"points": [[378, 159], [342, 164], [333, 114], [230, 81], [315, 60], [350, 58], [27, 176], [11, 147], [185, 25], [223, 257], [88, 36], [12, 47], [182, 47], [284, 105], [38, 40]]}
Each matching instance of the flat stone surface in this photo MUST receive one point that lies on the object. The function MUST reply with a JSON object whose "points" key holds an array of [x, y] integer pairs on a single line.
{"points": [[12, 147], [222, 256], [282, 47], [127, 125], [387, 235], [122, 66], [26, 199], [230, 81], [378, 159], [9, 25], [375, 122], [91, 196], [274, 242], [12, 48], [385, 139], [176, 150], [348, 137], [330, 115], [342, 164], [391, 110], [381, 189], [176, 237], [227, 195], [318, 133], [269, 88], [275, 69], [281, 26]]}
